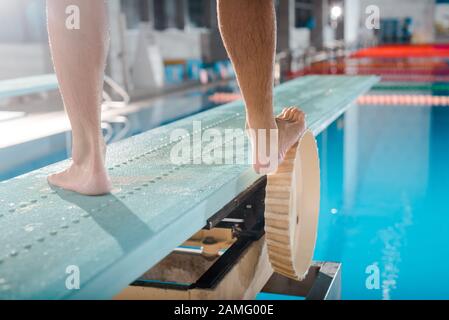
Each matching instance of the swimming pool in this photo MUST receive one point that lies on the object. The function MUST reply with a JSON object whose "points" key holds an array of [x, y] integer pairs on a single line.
{"points": [[385, 173], [148, 115], [384, 208]]}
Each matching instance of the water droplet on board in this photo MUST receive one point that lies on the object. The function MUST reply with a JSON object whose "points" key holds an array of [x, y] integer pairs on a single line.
{"points": [[29, 227]]}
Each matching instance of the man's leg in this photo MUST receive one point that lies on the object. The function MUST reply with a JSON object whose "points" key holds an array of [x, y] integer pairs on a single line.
{"points": [[79, 58], [248, 29]]}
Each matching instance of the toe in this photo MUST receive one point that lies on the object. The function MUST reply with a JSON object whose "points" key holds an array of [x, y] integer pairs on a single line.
{"points": [[282, 114], [298, 115], [301, 116], [289, 113], [50, 179], [53, 179], [294, 114]]}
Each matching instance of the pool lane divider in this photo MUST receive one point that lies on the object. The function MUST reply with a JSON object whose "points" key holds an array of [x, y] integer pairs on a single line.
{"points": [[404, 50], [404, 100], [49, 235], [433, 87]]}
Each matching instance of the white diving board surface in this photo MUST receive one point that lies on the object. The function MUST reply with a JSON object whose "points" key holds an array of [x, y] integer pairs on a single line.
{"points": [[155, 206], [28, 85]]}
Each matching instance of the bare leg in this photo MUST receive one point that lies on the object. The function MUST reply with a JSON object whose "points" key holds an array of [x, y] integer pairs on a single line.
{"points": [[248, 29], [79, 58]]}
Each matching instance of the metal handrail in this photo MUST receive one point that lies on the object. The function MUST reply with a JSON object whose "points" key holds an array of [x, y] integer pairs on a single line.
{"points": [[108, 101]]}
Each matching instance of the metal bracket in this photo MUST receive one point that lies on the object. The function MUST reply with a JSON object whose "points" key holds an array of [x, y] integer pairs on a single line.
{"points": [[323, 282], [248, 206]]}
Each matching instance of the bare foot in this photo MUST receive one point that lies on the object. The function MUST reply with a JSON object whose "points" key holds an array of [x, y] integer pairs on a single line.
{"points": [[86, 175], [83, 180], [288, 127], [291, 125]]}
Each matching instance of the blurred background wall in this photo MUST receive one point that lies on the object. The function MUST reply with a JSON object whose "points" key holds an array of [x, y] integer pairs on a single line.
{"points": [[187, 30]]}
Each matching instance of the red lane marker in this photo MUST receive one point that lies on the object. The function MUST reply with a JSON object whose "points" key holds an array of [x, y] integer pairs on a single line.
{"points": [[224, 97], [401, 51], [389, 100], [417, 100]]}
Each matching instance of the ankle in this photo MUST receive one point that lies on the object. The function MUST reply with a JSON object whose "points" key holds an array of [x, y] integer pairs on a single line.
{"points": [[89, 153], [262, 122], [92, 160]]}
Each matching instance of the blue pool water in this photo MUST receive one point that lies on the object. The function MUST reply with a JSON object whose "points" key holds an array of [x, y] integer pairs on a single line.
{"points": [[385, 194]]}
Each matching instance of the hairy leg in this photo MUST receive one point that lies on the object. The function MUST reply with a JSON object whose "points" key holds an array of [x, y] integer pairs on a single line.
{"points": [[248, 29], [79, 57]]}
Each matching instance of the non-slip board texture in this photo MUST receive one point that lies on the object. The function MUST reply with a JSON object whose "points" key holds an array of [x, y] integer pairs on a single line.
{"points": [[46, 234]]}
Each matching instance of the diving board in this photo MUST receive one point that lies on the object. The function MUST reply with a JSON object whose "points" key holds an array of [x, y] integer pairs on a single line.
{"points": [[155, 206], [27, 85]]}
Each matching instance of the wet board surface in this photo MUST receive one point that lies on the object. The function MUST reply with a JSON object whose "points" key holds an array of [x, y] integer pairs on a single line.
{"points": [[47, 234], [28, 85]]}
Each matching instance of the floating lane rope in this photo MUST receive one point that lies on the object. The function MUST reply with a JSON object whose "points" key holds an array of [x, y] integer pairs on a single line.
{"points": [[406, 99]]}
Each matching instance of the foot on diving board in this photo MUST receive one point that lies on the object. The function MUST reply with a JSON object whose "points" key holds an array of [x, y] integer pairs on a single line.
{"points": [[291, 209], [158, 205]]}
